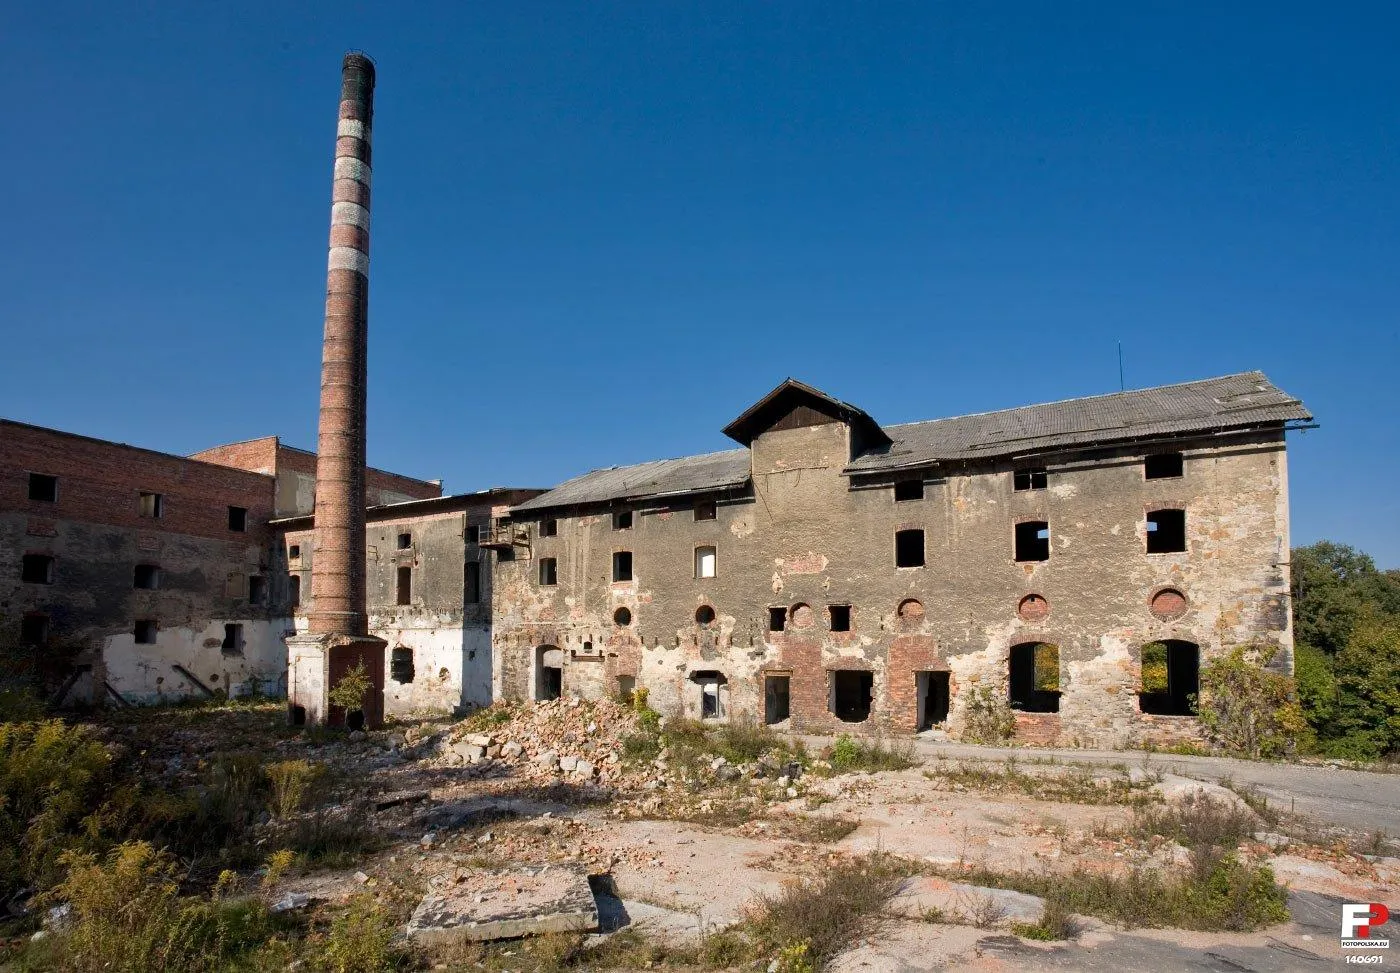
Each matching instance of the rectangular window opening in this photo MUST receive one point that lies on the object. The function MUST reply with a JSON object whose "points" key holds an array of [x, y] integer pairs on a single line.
{"points": [[147, 577], [705, 562], [36, 569], [622, 520], [840, 617], [852, 691], [34, 630], [1032, 478], [931, 690], [908, 490], [43, 487], [1171, 678], [145, 631], [1166, 531], [257, 589], [294, 589], [404, 586], [401, 665], [238, 519], [1033, 541], [1163, 466], [777, 619], [549, 571], [706, 510], [294, 552], [909, 549], [150, 505], [405, 541], [622, 566], [712, 692], [1034, 677], [472, 583], [233, 638], [549, 528]]}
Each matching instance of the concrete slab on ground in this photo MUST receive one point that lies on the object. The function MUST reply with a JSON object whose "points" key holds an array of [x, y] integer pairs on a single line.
{"points": [[527, 901]]}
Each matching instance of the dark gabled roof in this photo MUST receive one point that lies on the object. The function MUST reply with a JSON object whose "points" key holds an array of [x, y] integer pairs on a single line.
{"points": [[452, 503], [789, 393], [1211, 405], [689, 474]]}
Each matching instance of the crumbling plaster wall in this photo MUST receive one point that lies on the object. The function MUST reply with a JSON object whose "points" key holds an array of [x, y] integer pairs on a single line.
{"points": [[802, 535], [450, 638]]}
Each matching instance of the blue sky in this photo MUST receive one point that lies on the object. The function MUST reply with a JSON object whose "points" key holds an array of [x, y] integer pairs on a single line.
{"points": [[602, 230]]}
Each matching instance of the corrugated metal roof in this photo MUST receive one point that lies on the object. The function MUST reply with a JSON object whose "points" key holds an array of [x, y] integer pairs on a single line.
{"points": [[1229, 402], [1215, 404], [688, 474]]}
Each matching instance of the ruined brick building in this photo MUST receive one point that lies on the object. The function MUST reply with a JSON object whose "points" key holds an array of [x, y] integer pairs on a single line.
{"points": [[837, 573], [147, 577]]}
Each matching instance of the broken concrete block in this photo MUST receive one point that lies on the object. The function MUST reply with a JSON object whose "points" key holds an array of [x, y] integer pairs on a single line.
{"points": [[567, 764], [478, 739], [583, 768], [512, 749], [527, 901], [549, 758], [296, 900]]}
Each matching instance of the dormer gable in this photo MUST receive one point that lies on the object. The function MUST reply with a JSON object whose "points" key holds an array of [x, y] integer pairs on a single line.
{"points": [[797, 405]]}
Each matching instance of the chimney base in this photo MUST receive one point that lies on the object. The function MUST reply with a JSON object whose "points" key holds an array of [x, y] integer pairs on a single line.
{"points": [[316, 663]]}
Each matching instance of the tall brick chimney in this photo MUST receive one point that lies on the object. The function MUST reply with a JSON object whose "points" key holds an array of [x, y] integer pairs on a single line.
{"points": [[338, 569], [337, 639]]}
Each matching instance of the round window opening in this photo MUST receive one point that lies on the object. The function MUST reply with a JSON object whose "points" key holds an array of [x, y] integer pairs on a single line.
{"points": [[911, 610], [704, 615], [1168, 604], [802, 616], [622, 617], [1033, 608]]}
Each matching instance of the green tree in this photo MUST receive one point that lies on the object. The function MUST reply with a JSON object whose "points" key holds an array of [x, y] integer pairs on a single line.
{"points": [[1366, 718]]}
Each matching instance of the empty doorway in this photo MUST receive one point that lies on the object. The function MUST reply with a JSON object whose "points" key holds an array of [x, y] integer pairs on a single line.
{"points": [[851, 693], [776, 698], [549, 672], [932, 692]]}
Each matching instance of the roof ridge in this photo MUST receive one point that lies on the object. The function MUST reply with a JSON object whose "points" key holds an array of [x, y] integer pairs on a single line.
{"points": [[1082, 398]]}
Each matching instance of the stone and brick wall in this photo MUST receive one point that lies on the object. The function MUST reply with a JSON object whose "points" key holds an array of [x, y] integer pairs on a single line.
{"points": [[804, 535]]}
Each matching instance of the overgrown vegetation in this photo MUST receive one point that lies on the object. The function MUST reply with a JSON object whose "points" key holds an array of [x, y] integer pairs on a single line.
{"points": [[1073, 785], [989, 718], [1346, 622], [849, 754], [1247, 709], [350, 690]]}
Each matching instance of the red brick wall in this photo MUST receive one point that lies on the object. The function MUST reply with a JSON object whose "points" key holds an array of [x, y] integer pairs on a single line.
{"points": [[908, 654], [99, 482], [255, 455], [304, 462]]}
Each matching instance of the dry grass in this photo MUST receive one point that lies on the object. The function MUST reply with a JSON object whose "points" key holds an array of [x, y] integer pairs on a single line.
{"points": [[1073, 785]]}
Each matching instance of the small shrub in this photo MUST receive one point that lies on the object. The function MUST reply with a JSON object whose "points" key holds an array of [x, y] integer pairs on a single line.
{"points": [[1250, 711], [360, 941], [334, 842], [1056, 923], [277, 865], [828, 913], [849, 754], [641, 747], [795, 958], [290, 780], [351, 689], [988, 717]]}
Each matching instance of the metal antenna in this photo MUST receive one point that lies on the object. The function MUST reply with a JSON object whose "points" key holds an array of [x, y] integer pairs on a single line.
{"points": [[1121, 386]]}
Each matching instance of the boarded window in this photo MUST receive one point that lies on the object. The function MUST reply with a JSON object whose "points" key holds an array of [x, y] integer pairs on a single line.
{"points": [[1031, 478], [549, 571], [1163, 466], [145, 631], [401, 665], [909, 548], [150, 504], [238, 518], [233, 639], [147, 577], [404, 586], [471, 583], [1171, 678], [34, 630], [1033, 541], [36, 569], [705, 510], [1034, 677], [294, 589], [705, 562], [840, 617], [851, 694], [1166, 531], [622, 520], [777, 619], [257, 589], [43, 488], [622, 566], [405, 541], [549, 527]]}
